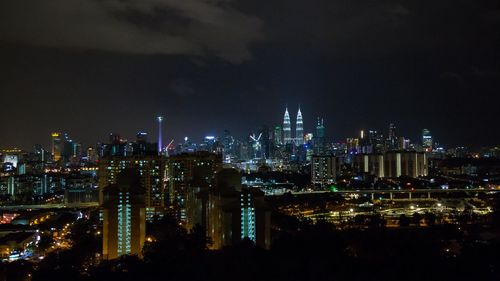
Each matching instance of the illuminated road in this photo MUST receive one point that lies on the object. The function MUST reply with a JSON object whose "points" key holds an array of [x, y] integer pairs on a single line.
{"points": [[49, 206], [389, 191]]}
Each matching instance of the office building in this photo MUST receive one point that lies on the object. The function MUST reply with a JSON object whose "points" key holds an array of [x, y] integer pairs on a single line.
{"points": [[278, 135], [229, 147], [392, 142], [57, 146], [265, 142], [427, 141]]}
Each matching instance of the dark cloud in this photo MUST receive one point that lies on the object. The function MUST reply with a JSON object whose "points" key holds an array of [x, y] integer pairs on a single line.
{"points": [[193, 27]]}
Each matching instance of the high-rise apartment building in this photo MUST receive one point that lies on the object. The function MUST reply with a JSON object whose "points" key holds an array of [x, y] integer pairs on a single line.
{"points": [[405, 163], [124, 215], [152, 172], [391, 164], [235, 212], [324, 169], [372, 164], [188, 173]]}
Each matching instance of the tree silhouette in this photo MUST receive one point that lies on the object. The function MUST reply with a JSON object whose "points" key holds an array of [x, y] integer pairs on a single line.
{"points": [[198, 240], [404, 221], [430, 218], [416, 219]]}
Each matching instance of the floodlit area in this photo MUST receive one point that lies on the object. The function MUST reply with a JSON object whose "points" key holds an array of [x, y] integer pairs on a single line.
{"points": [[352, 212]]}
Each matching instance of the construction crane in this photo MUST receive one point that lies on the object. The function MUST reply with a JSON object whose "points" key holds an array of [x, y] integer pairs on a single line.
{"points": [[168, 146]]}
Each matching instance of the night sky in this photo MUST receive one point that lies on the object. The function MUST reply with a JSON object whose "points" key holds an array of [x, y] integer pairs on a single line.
{"points": [[91, 67]]}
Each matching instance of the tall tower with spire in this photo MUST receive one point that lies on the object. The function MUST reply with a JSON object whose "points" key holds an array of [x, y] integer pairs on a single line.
{"points": [[287, 129], [299, 129], [160, 139]]}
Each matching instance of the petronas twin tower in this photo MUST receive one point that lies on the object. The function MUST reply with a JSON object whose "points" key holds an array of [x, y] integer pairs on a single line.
{"points": [[287, 129]]}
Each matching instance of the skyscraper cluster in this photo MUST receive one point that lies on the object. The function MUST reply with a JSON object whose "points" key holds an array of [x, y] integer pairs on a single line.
{"points": [[64, 149], [298, 139]]}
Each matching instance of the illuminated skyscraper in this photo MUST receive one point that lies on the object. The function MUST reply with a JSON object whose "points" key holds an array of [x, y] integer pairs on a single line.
{"points": [[278, 135], [427, 141], [265, 142], [160, 140], [392, 131], [116, 146], [41, 154], [376, 140], [141, 137], [319, 138], [209, 144], [57, 146], [142, 146], [228, 144], [392, 139], [92, 155], [69, 149], [299, 129], [287, 129], [124, 216]]}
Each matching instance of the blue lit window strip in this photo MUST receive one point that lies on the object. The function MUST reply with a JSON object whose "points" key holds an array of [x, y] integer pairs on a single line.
{"points": [[124, 225], [247, 218]]}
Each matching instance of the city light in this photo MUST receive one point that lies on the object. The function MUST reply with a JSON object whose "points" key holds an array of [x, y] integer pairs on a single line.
{"points": [[326, 140]]}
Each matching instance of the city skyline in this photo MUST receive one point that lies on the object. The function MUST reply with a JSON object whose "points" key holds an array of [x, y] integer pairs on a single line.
{"points": [[157, 132], [156, 127]]}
